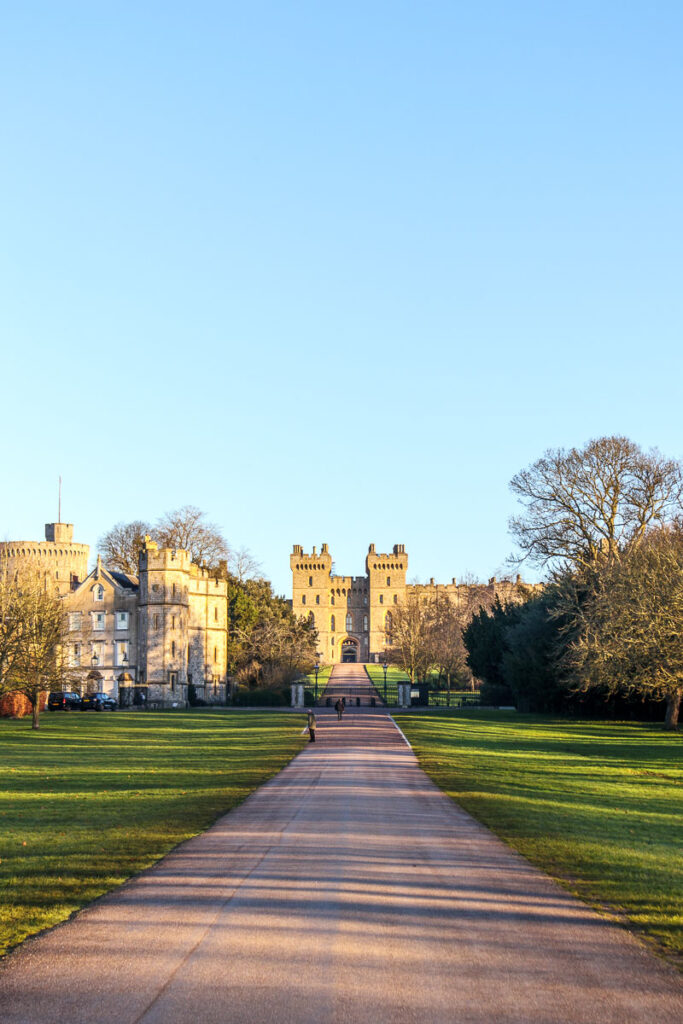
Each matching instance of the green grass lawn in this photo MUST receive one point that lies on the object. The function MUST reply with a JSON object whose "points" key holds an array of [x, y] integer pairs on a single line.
{"points": [[323, 679], [598, 805], [90, 799], [396, 676]]}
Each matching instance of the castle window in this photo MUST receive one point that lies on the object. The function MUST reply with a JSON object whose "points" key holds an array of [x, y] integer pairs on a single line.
{"points": [[349, 623], [99, 620], [215, 614], [122, 620], [215, 655], [388, 624], [317, 598], [98, 593], [388, 581], [121, 652], [311, 618], [332, 624], [74, 620], [365, 623], [381, 598], [303, 599], [395, 598], [76, 655], [156, 621], [310, 581], [173, 589], [173, 679], [332, 599], [173, 622], [173, 648], [365, 599]]}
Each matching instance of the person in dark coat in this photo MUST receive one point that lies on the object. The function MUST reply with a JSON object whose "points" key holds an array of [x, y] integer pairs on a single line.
{"points": [[311, 726], [339, 709]]}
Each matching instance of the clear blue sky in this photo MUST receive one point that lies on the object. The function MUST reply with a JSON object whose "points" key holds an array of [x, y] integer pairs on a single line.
{"points": [[333, 272]]}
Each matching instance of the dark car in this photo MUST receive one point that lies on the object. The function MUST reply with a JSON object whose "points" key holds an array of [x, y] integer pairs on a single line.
{"points": [[98, 702], [63, 701]]}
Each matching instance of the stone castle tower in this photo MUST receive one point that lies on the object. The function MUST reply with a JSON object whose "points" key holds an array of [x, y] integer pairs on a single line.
{"points": [[57, 556], [349, 612]]}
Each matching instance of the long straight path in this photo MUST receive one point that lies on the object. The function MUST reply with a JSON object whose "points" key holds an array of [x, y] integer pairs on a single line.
{"points": [[347, 890]]}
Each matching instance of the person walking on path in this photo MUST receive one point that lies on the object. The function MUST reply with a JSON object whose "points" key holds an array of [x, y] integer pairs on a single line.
{"points": [[311, 726], [340, 709]]}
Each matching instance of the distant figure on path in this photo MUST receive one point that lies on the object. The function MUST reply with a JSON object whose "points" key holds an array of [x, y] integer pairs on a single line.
{"points": [[311, 726], [340, 709]]}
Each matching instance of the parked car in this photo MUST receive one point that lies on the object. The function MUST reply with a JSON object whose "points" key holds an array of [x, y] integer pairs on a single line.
{"points": [[63, 701], [98, 702]]}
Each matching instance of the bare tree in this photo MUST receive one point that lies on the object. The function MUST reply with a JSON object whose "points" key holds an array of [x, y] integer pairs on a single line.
{"points": [[11, 624], [37, 663], [243, 565], [628, 629], [586, 506], [410, 638], [121, 546], [188, 528]]}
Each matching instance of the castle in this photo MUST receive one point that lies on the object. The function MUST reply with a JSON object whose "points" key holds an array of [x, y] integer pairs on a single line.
{"points": [[142, 638], [353, 614]]}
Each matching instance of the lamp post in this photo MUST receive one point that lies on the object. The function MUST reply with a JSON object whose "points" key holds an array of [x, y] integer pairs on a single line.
{"points": [[384, 668], [317, 667]]}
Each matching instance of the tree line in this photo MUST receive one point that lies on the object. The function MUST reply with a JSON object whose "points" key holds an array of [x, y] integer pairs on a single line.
{"points": [[606, 634]]}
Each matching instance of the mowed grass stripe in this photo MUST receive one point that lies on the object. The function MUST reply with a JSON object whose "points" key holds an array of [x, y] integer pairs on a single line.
{"points": [[598, 805], [90, 799]]}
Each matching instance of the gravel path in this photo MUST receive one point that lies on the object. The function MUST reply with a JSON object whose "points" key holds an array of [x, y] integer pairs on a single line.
{"points": [[348, 889]]}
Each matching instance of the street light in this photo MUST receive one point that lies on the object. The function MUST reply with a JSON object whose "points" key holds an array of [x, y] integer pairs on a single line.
{"points": [[384, 667], [317, 667]]}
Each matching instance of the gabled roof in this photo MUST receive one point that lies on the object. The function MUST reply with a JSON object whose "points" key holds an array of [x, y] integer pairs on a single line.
{"points": [[124, 579]]}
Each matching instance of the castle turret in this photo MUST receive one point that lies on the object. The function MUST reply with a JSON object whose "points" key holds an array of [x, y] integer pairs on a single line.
{"points": [[163, 620], [57, 556]]}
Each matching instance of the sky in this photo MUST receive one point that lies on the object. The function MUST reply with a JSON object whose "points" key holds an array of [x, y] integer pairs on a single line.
{"points": [[333, 272]]}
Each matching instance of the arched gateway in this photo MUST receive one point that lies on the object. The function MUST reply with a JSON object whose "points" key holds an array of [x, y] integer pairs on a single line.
{"points": [[349, 650]]}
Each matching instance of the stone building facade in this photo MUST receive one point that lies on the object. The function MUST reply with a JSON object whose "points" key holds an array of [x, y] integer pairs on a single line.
{"points": [[353, 613], [142, 639]]}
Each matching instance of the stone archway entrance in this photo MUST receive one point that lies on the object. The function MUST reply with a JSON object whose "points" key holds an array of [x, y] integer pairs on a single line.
{"points": [[349, 651]]}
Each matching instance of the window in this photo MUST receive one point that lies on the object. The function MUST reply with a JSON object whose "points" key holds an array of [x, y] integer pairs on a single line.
{"points": [[388, 581], [75, 659], [173, 679], [215, 655], [96, 654], [332, 624], [157, 619], [215, 614], [99, 620], [395, 598], [317, 598], [388, 622], [310, 581], [173, 622], [311, 618], [381, 598], [98, 593], [332, 599], [365, 599], [349, 623], [121, 652], [173, 590], [75, 619], [365, 623], [122, 620], [173, 648]]}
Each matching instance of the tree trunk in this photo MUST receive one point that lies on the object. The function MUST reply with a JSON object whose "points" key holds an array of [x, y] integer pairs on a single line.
{"points": [[673, 706], [36, 712]]}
